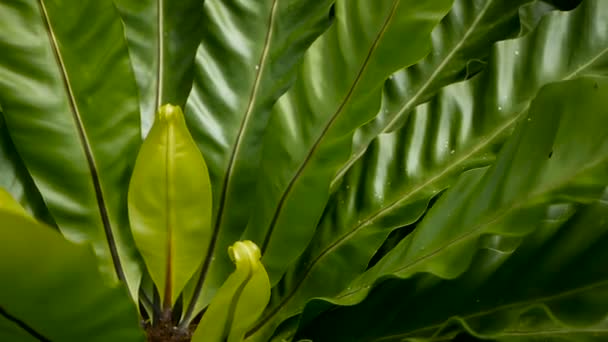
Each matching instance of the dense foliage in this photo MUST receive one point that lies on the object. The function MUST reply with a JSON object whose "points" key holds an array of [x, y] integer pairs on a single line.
{"points": [[342, 170]]}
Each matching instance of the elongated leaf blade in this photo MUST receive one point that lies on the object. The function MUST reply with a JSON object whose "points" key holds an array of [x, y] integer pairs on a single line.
{"points": [[17, 181], [240, 300], [461, 44], [338, 89], [69, 100], [247, 59], [539, 166], [52, 290], [463, 127], [163, 36], [170, 204], [552, 287]]}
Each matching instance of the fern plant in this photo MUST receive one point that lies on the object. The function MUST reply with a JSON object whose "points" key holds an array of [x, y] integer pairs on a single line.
{"points": [[293, 170]]}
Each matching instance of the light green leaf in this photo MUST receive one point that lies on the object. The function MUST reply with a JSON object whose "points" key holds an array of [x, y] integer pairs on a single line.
{"points": [[170, 204], [461, 44], [8, 203], [553, 287], [338, 89], [461, 128], [70, 104], [240, 301], [537, 167], [163, 36], [246, 61], [52, 288]]}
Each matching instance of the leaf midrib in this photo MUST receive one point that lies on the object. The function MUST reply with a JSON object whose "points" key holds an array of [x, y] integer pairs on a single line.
{"points": [[23, 325], [160, 70], [329, 124], [522, 303], [486, 221], [372, 218], [476, 149], [411, 103], [421, 89], [263, 61], [366, 222], [170, 153], [386, 23], [85, 144]]}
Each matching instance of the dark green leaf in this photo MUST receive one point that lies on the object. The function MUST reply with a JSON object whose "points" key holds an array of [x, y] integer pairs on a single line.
{"points": [[539, 166], [531, 14], [69, 100], [52, 288], [246, 61], [11, 331], [338, 89], [163, 36], [462, 128], [461, 44], [552, 288], [564, 5], [15, 178], [310, 132]]}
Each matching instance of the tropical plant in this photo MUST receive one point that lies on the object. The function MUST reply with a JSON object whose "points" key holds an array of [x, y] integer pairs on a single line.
{"points": [[348, 170]]}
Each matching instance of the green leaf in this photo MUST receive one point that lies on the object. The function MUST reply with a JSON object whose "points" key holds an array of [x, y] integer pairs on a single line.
{"points": [[163, 37], [8, 203], [52, 288], [170, 204], [531, 14], [246, 61], [240, 301], [461, 128], [338, 89], [461, 44], [539, 166], [70, 104], [553, 287], [11, 331], [16, 180], [564, 5]]}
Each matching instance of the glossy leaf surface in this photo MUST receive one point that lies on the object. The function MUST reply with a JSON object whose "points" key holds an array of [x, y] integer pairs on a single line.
{"points": [[536, 168], [338, 89], [247, 59], [461, 44], [69, 100], [8, 203], [163, 36], [240, 301], [531, 14], [170, 203], [15, 179], [461, 128], [552, 287], [62, 296]]}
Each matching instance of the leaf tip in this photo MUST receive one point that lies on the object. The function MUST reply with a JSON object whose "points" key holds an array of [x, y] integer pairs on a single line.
{"points": [[170, 113], [244, 250]]}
